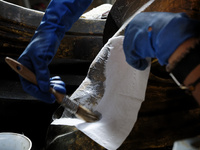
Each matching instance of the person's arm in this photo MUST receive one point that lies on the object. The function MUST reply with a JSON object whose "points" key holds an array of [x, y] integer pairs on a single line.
{"points": [[58, 18]]}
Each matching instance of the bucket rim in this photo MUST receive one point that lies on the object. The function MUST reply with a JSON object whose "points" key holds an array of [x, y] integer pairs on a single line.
{"points": [[18, 134]]}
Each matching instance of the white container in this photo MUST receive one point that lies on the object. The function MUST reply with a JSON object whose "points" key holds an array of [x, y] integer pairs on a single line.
{"points": [[14, 141], [187, 144]]}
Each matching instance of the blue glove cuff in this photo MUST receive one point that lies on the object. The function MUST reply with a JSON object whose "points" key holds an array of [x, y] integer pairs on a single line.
{"points": [[60, 15]]}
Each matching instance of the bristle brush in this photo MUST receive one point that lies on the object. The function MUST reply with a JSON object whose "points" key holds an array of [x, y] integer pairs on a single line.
{"points": [[72, 106]]}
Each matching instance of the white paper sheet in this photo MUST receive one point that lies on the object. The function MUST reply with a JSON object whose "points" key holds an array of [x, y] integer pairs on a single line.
{"points": [[125, 89]]}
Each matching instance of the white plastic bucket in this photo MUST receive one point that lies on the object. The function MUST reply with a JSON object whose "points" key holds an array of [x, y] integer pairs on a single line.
{"points": [[14, 141], [187, 144]]}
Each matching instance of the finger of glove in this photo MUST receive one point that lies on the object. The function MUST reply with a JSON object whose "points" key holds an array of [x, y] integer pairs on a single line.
{"points": [[35, 91], [57, 84], [135, 62], [133, 55], [139, 38], [138, 44], [55, 78], [59, 88]]}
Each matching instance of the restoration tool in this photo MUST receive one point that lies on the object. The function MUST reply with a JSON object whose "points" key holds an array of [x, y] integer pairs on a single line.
{"points": [[71, 105]]}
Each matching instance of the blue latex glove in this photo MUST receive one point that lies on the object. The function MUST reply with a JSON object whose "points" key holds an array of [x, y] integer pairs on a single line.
{"points": [[58, 18], [57, 84], [156, 35]]}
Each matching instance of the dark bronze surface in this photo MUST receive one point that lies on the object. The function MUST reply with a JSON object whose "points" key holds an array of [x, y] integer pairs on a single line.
{"points": [[17, 25], [20, 112], [166, 115]]}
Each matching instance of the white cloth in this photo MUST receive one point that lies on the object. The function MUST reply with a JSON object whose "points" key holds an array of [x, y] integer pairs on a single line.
{"points": [[125, 89]]}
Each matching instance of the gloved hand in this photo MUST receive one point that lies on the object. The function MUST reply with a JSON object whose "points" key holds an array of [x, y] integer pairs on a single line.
{"points": [[57, 84], [58, 18], [156, 35]]}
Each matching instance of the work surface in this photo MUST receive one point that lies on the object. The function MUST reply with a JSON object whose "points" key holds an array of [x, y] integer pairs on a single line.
{"points": [[166, 115]]}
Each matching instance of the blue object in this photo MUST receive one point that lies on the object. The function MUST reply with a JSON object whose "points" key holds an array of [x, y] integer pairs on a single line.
{"points": [[156, 35], [58, 18], [57, 84]]}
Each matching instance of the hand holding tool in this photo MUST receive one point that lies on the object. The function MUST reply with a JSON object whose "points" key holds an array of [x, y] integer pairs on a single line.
{"points": [[72, 106], [58, 18]]}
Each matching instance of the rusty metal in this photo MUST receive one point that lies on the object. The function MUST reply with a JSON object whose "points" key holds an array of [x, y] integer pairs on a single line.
{"points": [[17, 25], [167, 114], [123, 10], [20, 112]]}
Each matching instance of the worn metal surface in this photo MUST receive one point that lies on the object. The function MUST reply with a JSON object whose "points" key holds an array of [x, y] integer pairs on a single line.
{"points": [[166, 115], [17, 25], [123, 10], [20, 112]]}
